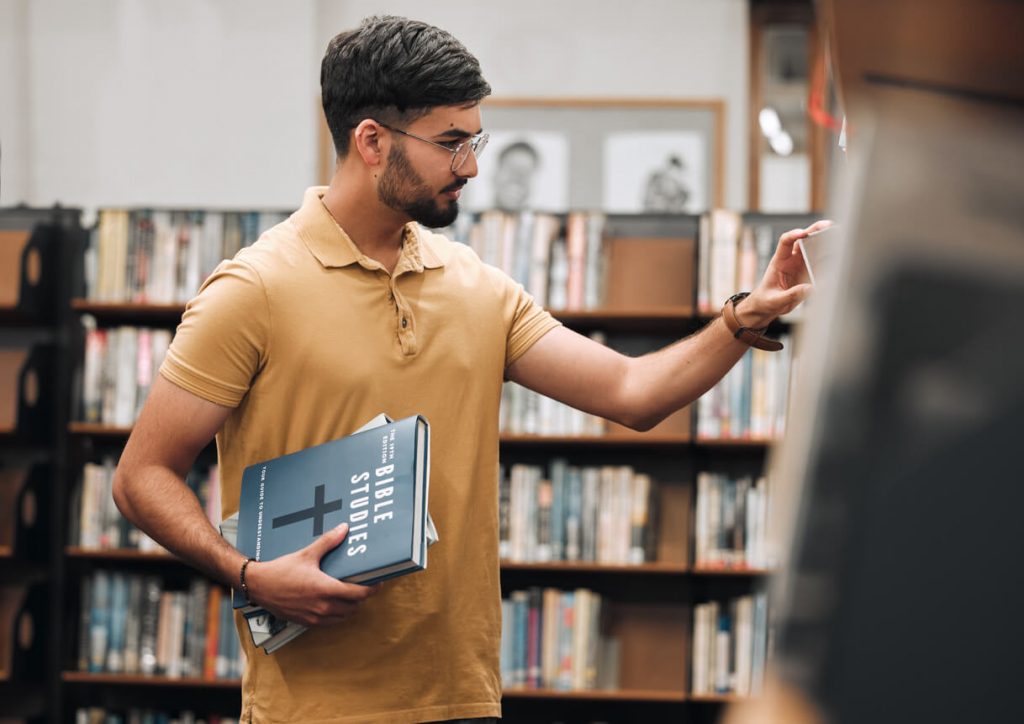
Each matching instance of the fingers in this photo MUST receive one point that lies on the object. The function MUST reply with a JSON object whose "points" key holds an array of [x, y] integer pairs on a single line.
{"points": [[798, 293], [327, 542], [787, 240]]}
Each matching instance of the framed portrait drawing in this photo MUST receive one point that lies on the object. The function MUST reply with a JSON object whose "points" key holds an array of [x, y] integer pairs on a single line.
{"points": [[616, 155]]}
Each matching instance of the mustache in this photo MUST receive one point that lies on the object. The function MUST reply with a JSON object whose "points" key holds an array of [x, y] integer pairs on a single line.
{"points": [[454, 187]]}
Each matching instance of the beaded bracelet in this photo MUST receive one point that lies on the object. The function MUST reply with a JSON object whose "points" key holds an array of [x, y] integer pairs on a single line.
{"points": [[241, 579]]}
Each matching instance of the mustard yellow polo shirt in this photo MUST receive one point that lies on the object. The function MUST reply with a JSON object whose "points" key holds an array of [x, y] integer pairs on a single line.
{"points": [[307, 339]]}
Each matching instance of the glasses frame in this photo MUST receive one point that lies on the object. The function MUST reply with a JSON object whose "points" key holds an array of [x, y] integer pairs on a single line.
{"points": [[476, 144]]}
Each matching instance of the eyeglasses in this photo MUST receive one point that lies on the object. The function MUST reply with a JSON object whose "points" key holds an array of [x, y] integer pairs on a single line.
{"points": [[460, 150]]}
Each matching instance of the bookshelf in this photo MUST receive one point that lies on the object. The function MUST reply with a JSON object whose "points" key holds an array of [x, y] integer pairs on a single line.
{"points": [[647, 607], [37, 249]]}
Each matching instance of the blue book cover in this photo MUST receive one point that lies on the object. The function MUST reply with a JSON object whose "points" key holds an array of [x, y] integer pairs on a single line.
{"points": [[375, 480]]}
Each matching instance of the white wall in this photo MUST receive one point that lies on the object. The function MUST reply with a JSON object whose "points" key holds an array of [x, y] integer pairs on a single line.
{"points": [[184, 103], [15, 141], [211, 103]]}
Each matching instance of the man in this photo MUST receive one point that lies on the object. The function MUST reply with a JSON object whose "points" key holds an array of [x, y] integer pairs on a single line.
{"points": [[349, 309]]}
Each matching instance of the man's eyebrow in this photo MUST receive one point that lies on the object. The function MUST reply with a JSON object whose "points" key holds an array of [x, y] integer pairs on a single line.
{"points": [[458, 133]]}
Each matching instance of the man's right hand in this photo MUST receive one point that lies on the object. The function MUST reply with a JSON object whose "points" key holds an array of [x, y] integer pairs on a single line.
{"points": [[294, 588]]}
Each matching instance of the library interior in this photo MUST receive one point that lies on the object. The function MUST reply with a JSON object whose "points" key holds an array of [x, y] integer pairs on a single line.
{"points": [[823, 535]]}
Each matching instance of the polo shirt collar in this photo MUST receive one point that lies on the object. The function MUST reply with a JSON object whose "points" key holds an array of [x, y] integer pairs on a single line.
{"points": [[332, 247]]}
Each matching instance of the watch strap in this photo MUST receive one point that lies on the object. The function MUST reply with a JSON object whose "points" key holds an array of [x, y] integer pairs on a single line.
{"points": [[749, 336]]}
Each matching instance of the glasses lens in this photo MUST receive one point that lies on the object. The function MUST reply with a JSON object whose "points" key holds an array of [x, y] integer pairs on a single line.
{"points": [[476, 145]]}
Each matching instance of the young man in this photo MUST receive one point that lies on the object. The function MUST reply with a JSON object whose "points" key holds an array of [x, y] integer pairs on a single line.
{"points": [[349, 309]]}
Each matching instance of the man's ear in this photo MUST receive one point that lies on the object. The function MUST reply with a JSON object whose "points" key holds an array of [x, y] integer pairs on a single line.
{"points": [[368, 142]]}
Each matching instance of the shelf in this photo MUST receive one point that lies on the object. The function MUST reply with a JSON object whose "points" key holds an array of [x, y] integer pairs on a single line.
{"points": [[667, 569], [637, 695], [611, 439], [614, 440], [127, 311], [734, 444], [718, 698], [114, 555], [732, 572], [81, 677], [119, 554], [97, 429]]}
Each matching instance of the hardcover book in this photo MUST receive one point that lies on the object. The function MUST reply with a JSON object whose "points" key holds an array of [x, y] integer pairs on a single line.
{"points": [[376, 480]]}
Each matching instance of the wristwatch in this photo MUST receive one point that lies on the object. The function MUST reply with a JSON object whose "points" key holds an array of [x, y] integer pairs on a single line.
{"points": [[747, 335]]}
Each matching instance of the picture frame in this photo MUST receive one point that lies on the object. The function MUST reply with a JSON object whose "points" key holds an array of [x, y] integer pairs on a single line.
{"points": [[620, 155]]}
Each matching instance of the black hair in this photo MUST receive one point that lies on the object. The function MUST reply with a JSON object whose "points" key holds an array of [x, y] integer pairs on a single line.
{"points": [[394, 70]]}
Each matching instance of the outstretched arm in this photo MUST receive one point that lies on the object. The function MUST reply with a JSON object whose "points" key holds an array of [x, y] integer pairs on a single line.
{"points": [[640, 392]]}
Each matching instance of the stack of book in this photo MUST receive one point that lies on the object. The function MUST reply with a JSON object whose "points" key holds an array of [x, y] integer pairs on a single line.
{"points": [[562, 267], [376, 480], [552, 639], [118, 370], [131, 624], [731, 522], [750, 402], [161, 257], [730, 646], [596, 514]]}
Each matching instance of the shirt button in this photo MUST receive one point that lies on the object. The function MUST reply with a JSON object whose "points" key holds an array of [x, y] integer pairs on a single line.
{"points": [[405, 322]]}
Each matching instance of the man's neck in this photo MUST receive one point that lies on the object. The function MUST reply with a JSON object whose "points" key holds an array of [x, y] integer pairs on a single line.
{"points": [[374, 228]]}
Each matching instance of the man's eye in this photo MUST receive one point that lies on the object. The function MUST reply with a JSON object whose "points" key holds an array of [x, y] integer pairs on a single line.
{"points": [[452, 145]]}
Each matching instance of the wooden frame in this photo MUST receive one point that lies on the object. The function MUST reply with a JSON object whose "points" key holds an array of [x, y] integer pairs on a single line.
{"points": [[586, 122]]}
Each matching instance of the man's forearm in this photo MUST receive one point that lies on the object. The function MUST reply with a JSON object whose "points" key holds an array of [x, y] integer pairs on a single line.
{"points": [[659, 383], [158, 502]]}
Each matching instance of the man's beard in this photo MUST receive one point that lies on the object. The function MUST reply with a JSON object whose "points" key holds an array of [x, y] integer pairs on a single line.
{"points": [[402, 189]]}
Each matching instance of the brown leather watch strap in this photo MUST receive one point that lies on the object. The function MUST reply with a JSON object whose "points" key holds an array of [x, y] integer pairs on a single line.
{"points": [[751, 337]]}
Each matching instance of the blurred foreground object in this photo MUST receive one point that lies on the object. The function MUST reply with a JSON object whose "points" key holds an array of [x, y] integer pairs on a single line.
{"points": [[899, 602]]}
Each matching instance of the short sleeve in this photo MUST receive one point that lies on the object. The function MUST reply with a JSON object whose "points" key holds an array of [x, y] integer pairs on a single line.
{"points": [[220, 345], [529, 322]]}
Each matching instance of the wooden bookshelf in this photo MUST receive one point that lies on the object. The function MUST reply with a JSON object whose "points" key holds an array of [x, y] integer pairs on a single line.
{"points": [[114, 555], [664, 569], [609, 439], [626, 695], [98, 429], [126, 311]]}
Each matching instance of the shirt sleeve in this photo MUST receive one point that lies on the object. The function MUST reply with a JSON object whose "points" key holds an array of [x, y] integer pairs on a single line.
{"points": [[221, 343], [529, 322]]}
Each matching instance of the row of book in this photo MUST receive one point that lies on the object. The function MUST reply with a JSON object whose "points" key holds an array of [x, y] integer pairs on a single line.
{"points": [[130, 623], [731, 255], [525, 412], [161, 257], [560, 262], [552, 639], [118, 370], [731, 522], [600, 514], [96, 522], [731, 644], [99, 715], [750, 402]]}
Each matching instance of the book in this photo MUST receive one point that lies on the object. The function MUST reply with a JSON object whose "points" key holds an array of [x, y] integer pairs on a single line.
{"points": [[269, 631]]}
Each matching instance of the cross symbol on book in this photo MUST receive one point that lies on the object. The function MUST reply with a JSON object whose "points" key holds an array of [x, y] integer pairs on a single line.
{"points": [[317, 512]]}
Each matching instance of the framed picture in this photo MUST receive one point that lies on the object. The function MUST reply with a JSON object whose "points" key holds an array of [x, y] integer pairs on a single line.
{"points": [[616, 155]]}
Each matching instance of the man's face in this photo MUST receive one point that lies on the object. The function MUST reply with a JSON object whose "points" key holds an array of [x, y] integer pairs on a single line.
{"points": [[418, 179]]}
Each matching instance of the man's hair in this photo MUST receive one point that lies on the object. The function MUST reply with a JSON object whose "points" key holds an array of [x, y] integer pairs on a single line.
{"points": [[394, 70]]}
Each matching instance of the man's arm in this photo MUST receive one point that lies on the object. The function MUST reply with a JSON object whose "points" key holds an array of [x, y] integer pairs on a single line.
{"points": [[150, 491], [640, 392]]}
